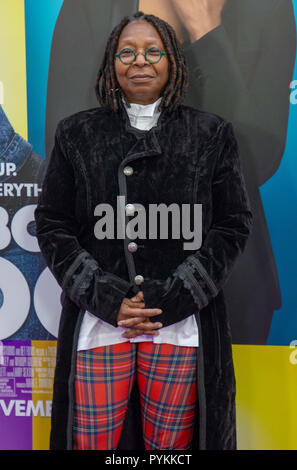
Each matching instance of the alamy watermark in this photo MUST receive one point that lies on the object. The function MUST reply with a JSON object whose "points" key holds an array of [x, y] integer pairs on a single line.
{"points": [[180, 216]]}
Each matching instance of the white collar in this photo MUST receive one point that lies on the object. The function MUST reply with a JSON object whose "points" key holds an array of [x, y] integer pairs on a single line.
{"points": [[142, 109]]}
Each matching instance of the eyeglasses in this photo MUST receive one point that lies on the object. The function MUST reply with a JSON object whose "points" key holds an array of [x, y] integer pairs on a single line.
{"points": [[153, 55]]}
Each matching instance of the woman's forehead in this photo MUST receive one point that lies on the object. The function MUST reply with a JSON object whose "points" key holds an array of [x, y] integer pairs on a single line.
{"points": [[139, 31]]}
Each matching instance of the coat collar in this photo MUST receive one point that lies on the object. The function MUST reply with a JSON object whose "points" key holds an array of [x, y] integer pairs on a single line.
{"points": [[164, 116], [140, 110]]}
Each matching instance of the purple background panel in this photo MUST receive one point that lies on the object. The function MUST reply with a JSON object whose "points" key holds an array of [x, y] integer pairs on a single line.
{"points": [[15, 394]]}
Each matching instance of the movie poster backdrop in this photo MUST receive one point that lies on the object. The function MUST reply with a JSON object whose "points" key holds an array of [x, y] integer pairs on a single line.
{"points": [[241, 60]]}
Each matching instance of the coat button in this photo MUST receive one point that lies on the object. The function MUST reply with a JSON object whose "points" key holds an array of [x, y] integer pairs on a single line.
{"points": [[138, 279], [128, 170], [130, 209], [132, 247]]}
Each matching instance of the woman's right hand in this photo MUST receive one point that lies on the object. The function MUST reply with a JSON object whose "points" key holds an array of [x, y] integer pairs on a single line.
{"points": [[134, 316]]}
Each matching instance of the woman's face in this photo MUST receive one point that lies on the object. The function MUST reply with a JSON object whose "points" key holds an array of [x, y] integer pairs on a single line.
{"points": [[139, 35]]}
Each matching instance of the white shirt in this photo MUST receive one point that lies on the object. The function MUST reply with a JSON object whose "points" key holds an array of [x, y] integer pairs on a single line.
{"points": [[95, 332]]}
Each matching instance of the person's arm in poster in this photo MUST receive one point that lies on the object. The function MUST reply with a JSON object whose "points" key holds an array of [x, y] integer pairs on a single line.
{"points": [[256, 104]]}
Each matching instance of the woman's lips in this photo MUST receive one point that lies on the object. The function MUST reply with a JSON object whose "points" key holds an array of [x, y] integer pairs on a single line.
{"points": [[143, 78]]}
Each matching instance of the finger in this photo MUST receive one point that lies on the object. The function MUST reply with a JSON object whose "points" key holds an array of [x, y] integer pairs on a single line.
{"points": [[138, 321], [133, 332], [127, 312], [133, 301], [140, 295], [148, 326], [141, 312], [126, 317], [134, 304]]}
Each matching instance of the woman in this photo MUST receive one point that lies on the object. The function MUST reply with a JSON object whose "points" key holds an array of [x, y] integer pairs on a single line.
{"points": [[163, 378]]}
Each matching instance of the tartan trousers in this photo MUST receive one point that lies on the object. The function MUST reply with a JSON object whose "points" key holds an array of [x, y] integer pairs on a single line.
{"points": [[166, 376]]}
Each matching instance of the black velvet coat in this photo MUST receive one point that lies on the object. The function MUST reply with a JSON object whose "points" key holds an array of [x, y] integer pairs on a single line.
{"points": [[189, 157]]}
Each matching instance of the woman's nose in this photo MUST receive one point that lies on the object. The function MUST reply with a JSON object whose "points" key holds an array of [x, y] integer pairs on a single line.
{"points": [[140, 58]]}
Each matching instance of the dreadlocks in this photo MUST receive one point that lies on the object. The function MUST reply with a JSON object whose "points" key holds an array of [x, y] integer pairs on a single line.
{"points": [[178, 74]]}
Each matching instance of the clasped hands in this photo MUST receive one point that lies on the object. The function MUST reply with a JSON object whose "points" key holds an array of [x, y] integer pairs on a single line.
{"points": [[136, 317]]}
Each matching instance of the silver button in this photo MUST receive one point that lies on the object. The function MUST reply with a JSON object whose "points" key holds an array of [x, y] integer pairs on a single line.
{"points": [[138, 279], [128, 170], [132, 247], [130, 209]]}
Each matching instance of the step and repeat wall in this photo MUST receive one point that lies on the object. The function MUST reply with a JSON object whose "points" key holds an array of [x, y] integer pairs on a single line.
{"points": [[242, 67]]}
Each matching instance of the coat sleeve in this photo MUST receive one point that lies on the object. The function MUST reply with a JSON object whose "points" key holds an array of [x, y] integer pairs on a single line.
{"points": [[76, 271], [196, 281]]}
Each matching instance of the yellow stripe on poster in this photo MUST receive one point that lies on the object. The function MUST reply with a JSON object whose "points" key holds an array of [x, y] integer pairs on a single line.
{"points": [[43, 365], [13, 90], [266, 405]]}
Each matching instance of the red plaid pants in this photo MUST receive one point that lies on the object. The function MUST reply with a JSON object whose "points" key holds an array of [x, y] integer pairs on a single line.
{"points": [[166, 376]]}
